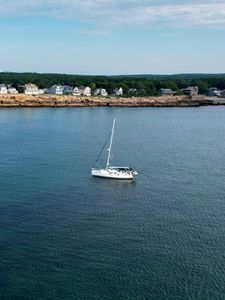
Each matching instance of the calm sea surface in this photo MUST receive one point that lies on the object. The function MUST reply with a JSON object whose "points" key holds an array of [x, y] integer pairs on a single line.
{"points": [[66, 235]]}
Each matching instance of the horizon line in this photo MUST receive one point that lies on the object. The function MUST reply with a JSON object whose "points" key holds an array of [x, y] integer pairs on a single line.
{"points": [[111, 75]]}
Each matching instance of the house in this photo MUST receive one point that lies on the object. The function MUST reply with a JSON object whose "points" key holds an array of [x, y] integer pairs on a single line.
{"points": [[166, 92], [3, 89], [132, 91], [118, 91], [222, 93], [55, 90], [76, 91], [32, 89], [85, 91], [214, 92], [100, 92], [12, 90], [67, 89], [191, 91]]}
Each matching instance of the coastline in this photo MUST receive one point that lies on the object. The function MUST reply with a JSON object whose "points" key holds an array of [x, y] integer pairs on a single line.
{"points": [[21, 100]]}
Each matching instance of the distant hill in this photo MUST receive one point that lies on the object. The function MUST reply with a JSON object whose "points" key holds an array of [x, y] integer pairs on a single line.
{"points": [[145, 84], [175, 76]]}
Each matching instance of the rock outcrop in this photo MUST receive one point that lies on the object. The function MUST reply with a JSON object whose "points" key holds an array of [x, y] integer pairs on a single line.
{"points": [[22, 100]]}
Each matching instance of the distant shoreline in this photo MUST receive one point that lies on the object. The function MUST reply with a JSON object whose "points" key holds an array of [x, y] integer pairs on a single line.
{"points": [[21, 100]]}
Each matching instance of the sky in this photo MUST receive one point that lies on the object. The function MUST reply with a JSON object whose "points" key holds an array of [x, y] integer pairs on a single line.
{"points": [[107, 37]]}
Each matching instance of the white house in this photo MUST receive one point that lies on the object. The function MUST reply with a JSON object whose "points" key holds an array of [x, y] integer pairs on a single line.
{"points": [[166, 92], [12, 90], [3, 89], [55, 90], [118, 91], [191, 90], [76, 91], [85, 91], [32, 89], [101, 92], [214, 92]]}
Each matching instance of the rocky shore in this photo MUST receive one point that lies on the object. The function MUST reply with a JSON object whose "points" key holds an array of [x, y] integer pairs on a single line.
{"points": [[21, 100]]}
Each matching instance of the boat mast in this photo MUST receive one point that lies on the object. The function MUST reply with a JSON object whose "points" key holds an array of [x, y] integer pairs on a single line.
{"points": [[110, 145]]}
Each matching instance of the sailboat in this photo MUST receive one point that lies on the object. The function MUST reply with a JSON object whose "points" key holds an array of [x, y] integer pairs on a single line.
{"points": [[110, 171]]}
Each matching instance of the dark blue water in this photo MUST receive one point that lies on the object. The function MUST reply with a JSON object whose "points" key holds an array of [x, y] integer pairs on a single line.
{"points": [[66, 235]]}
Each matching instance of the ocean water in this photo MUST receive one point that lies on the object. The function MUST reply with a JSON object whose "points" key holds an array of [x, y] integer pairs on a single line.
{"points": [[66, 235]]}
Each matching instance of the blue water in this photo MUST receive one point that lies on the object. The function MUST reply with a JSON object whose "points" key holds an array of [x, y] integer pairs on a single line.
{"points": [[66, 235]]}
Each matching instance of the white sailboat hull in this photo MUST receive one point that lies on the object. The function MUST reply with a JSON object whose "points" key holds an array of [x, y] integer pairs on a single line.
{"points": [[110, 171], [113, 174]]}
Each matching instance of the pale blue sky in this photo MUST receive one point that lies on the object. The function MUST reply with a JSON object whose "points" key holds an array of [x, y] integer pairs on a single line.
{"points": [[112, 36]]}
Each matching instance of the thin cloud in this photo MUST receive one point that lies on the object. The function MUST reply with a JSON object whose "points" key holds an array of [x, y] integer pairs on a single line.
{"points": [[115, 13]]}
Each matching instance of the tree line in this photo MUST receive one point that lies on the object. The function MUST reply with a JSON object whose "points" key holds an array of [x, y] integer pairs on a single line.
{"points": [[145, 85]]}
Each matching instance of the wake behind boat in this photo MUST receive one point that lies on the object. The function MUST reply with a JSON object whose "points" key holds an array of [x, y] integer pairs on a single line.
{"points": [[111, 171]]}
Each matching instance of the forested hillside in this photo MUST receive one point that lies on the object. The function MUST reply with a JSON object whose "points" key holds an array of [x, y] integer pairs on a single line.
{"points": [[145, 84]]}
